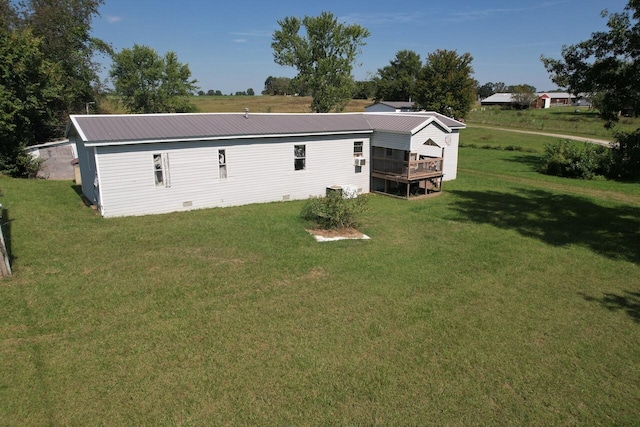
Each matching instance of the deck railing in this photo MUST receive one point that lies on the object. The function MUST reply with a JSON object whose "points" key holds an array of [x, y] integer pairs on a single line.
{"points": [[413, 169]]}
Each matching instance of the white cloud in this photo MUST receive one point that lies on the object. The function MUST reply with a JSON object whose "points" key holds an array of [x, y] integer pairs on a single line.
{"points": [[252, 34], [111, 19], [380, 18], [472, 15]]}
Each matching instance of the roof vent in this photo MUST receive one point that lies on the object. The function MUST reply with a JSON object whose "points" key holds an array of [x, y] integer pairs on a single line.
{"points": [[246, 113]]}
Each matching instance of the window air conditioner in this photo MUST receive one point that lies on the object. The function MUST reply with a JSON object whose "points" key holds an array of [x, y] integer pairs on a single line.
{"points": [[359, 161]]}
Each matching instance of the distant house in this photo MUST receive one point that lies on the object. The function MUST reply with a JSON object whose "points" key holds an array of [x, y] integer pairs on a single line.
{"points": [[157, 163], [390, 107], [554, 99]]}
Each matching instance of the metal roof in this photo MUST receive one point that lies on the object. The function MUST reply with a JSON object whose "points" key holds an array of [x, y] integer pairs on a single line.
{"points": [[499, 98], [558, 95], [410, 122], [507, 98], [133, 128]]}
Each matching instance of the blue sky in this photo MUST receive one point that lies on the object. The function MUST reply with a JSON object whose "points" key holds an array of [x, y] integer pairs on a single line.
{"points": [[227, 44]]}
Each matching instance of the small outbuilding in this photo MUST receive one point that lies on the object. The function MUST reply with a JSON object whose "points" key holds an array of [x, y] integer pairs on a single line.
{"points": [[57, 157]]}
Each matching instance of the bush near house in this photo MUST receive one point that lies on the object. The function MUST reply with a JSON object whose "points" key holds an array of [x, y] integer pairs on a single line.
{"points": [[334, 210]]}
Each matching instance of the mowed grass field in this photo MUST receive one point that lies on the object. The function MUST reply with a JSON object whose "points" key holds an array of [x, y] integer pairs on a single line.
{"points": [[569, 120], [511, 299], [255, 104]]}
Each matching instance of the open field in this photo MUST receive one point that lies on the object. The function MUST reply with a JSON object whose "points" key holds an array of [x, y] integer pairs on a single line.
{"points": [[255, 104], [563, 120], [511, 299]]}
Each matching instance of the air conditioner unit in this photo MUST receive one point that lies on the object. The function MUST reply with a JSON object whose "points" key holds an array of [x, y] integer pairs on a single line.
{"points": [[359, 161]]}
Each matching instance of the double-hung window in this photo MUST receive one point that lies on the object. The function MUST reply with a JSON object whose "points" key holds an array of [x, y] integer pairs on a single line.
{"points": [[358, 153], [222, 164], [161, 170], [357, 149], [299, 157]]}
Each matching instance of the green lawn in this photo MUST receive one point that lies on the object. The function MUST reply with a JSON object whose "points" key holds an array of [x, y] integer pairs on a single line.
{"points": [[511, 299]]}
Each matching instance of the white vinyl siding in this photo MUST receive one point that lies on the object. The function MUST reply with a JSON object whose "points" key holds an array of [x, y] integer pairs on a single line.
{"points": [[88, 171], [440, 137], [260, 171], [415, 144]]}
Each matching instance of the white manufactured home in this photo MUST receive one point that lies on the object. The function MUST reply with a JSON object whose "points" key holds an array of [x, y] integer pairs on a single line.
{"points": [[157, 163]]}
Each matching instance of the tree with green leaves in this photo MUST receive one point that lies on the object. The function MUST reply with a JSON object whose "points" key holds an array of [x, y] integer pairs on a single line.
{"points": [[488, 89], [608, 65], [46, 46], [445, 84], [277, 86], [176, 85], [523, 87], [523, 95], [30, 90], [364, 89], [397, 81], [324, 56], [64, 26], [150, 83]]}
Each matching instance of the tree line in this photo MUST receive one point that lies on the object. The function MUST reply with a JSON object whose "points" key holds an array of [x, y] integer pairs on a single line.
{"points": [[211, 92]]}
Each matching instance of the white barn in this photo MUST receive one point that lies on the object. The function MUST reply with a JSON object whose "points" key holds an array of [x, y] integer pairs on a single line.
{"points": [[158, 163]]}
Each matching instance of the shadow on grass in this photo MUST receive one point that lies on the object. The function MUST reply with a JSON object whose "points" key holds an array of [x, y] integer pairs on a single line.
{"points": [[557, 219], [78, 191], [629, 303], [571, 113], [533, 162]]}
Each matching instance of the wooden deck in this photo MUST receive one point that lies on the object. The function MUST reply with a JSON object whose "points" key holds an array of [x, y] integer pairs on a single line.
{"points": [[406, 171]]}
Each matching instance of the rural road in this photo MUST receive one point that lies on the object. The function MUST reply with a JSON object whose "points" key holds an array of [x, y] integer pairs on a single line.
{"points": [[557, 135]]}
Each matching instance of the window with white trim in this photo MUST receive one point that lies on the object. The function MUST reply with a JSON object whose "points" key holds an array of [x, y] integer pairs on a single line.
{"points": [[161, 170], [222, 164], [358, 149], [299, 157]]}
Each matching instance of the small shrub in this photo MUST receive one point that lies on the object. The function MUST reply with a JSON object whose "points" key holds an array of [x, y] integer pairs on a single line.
{"points": [[334, 211]]}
